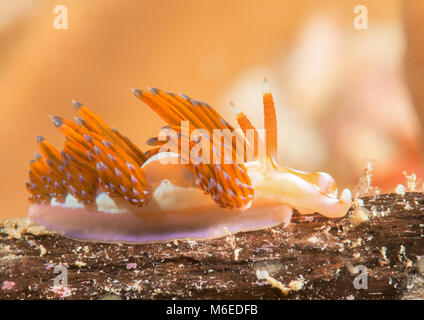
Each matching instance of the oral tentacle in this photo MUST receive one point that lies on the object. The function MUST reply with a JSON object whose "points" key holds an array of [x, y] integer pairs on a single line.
{"points": [[304, 196]]}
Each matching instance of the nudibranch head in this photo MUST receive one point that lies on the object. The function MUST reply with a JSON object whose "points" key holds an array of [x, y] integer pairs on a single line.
{"points": [[201, 178]]}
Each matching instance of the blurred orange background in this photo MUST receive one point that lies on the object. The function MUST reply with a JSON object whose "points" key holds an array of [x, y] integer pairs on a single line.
{"points": [[341, 93]]}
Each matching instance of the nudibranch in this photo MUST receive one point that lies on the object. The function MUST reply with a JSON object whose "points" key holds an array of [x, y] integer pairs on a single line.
{"points": [[101, 187]]}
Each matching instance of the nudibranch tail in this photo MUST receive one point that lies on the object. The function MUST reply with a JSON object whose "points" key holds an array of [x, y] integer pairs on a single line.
{"points": [[100, 186]]}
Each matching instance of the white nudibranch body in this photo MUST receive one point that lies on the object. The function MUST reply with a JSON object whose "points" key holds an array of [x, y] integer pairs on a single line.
{"points": [[101, 187]]}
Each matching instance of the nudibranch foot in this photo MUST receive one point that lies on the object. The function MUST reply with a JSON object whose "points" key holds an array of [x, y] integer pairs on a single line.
{"points": [[147, 227]]}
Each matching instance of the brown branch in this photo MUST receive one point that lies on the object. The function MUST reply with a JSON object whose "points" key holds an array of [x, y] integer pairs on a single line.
{"points": [[311, 259]]}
